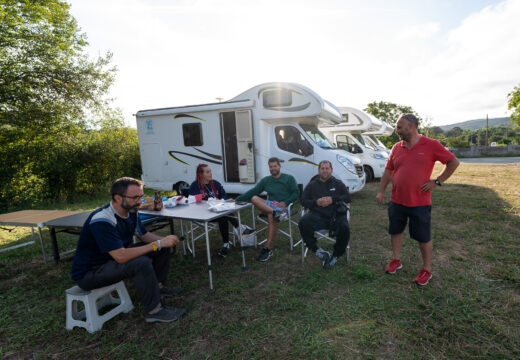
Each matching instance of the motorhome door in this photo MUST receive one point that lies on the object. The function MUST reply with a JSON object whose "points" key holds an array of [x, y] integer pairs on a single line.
{"points": [[238, 146]]}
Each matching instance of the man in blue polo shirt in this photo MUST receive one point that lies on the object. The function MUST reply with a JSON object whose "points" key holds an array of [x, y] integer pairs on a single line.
{"points": [[105, 253]]}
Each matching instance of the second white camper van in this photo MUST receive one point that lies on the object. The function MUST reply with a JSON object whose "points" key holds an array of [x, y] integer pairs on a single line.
{"points": [[354, 134], [237, 137]]}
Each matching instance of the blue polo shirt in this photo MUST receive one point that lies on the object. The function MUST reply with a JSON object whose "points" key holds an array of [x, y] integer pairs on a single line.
{"points": [[104, 230]]}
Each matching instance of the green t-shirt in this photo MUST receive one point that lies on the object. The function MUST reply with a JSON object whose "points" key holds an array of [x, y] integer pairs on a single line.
{"points": [[283, 189]]}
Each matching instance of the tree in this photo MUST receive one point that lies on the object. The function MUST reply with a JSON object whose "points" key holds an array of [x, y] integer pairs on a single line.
{"points": [[514, 105], [456, 142], [48, 87], [389, 112], [456, 131], [46, 79], [436, 130]]}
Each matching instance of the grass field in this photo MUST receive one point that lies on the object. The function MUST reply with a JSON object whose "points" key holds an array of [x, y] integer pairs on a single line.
{"points": [[285, 310]]}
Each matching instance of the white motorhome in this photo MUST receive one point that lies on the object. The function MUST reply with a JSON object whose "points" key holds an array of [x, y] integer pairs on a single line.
{"points": [[356, 134], [237, 137]]}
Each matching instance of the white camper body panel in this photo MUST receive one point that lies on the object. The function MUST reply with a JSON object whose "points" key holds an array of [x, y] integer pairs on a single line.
{"points": [[237, 137]]}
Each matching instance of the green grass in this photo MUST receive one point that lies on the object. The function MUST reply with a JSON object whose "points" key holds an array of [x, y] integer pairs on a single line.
{"points": [[285, 310]]}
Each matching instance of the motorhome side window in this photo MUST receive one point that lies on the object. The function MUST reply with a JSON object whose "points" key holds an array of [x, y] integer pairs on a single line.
{"points": [[192, 134], [277, 98], [290, 139]]}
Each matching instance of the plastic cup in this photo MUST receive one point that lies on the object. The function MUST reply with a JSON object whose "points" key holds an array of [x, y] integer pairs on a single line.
{"points": [[198, 198]]}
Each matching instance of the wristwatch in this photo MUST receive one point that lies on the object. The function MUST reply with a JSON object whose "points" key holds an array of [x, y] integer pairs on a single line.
{"points": [[437, 182]]}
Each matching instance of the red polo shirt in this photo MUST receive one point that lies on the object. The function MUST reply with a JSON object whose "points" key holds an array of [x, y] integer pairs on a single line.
{"points": [[412, 168]]}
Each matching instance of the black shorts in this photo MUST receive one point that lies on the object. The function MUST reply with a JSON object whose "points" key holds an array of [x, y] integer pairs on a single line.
{"points": [[420, 219]]}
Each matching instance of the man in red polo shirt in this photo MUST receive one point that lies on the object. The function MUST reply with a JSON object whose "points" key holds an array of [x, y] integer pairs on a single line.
{"points": [[410, 166]]}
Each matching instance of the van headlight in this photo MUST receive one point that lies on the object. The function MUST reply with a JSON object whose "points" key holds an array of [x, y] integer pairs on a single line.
{"points": [[346, 163], [379, 156]]}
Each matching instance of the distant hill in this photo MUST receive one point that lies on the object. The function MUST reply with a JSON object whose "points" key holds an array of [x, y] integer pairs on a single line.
{"points": [[478, 124]]}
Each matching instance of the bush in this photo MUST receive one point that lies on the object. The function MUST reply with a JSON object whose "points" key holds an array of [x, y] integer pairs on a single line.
{"points": [[456, 142], [65, 165]]}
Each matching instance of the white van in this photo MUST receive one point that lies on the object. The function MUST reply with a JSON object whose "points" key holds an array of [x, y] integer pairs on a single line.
{"points": [[237, 137], [355, 134]]}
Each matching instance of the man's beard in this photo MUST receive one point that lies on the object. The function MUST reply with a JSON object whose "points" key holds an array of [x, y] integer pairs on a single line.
{"points": [[129, 208], [275, 172]]}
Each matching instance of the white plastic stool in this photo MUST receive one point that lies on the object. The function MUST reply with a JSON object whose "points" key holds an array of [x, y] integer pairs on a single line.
{"points": [[93, 300]]}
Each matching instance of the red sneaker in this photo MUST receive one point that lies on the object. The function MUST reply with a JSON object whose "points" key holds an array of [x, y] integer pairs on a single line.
{"points": [[393, 266], [423, 278]]}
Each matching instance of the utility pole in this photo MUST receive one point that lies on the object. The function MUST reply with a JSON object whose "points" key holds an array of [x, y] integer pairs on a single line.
{"points": [[219, 99], [487, 123]]}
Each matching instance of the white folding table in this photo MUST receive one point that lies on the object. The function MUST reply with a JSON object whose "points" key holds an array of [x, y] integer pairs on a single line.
{"points": [[199, 212]]}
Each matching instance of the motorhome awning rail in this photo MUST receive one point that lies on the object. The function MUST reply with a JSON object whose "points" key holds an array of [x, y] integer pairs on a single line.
{"points": [[233, 104]]}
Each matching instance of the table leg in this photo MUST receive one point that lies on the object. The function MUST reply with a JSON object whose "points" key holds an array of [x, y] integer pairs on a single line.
{"points": [[41, 242], [172, 226], [54, 242], [209, 256], [193, 241], [244, 267]]}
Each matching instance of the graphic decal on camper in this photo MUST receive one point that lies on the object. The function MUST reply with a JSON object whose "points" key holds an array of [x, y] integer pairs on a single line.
{"points": [[303, 161], [281, 99], [210, 155], [180, 116], [195, 156]]}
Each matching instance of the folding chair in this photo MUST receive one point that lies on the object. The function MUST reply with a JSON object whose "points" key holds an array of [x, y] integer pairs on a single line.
{"points": [[290, 220], [323, 234]]}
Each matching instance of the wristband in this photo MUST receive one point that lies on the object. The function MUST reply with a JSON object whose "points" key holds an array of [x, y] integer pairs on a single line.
{"points": [[437, 182], [159, 244], [154, 246]]}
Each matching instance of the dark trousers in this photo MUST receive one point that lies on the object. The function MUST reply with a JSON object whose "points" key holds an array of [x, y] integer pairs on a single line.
{"points": [[312, 221], [147, 271], [223, 226]]}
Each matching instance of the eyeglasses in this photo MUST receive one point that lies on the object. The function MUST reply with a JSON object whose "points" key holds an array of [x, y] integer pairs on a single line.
{"points": [[135, 198]]}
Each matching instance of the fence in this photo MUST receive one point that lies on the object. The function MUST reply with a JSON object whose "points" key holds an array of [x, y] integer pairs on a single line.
{"points": [[476, 151]]}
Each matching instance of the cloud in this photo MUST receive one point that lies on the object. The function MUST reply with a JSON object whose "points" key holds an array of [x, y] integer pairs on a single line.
{"points": [[420, 31], [351, 53], [476, 68]]}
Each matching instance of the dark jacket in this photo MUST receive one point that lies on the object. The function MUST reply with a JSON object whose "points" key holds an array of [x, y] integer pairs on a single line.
{"points": [[317, 189], [195, 189]]}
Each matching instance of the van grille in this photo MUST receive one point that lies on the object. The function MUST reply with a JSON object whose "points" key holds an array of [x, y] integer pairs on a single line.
{"points": [[359, 170]]}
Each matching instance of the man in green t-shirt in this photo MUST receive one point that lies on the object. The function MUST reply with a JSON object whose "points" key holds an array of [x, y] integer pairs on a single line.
{"points": [[281, 191]]}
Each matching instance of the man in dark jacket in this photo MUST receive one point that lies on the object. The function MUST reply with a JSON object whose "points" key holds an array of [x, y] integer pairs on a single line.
{"points": [[322, 197]]}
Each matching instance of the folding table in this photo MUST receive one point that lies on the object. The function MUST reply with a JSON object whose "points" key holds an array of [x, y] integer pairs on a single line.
{"points": [[33, 219], [200, 212]]}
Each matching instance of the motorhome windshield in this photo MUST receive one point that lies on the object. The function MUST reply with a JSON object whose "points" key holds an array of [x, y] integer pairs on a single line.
{"points": [[370, 141], [361, 139], [317, 136], [377, 142]]}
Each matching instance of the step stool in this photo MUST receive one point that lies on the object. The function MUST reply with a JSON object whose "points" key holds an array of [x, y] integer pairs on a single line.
{"points": [[93, 300]]}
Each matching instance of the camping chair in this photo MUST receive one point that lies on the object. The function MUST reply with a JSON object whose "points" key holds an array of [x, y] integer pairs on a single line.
{"points": [[290, 220], [324, 234]]}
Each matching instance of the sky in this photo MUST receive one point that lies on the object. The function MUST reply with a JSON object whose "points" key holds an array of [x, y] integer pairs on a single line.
{"points": [[450, 61]]}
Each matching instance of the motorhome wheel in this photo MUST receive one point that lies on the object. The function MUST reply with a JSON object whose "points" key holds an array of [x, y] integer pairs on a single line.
{"points": [[369, 174]]}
